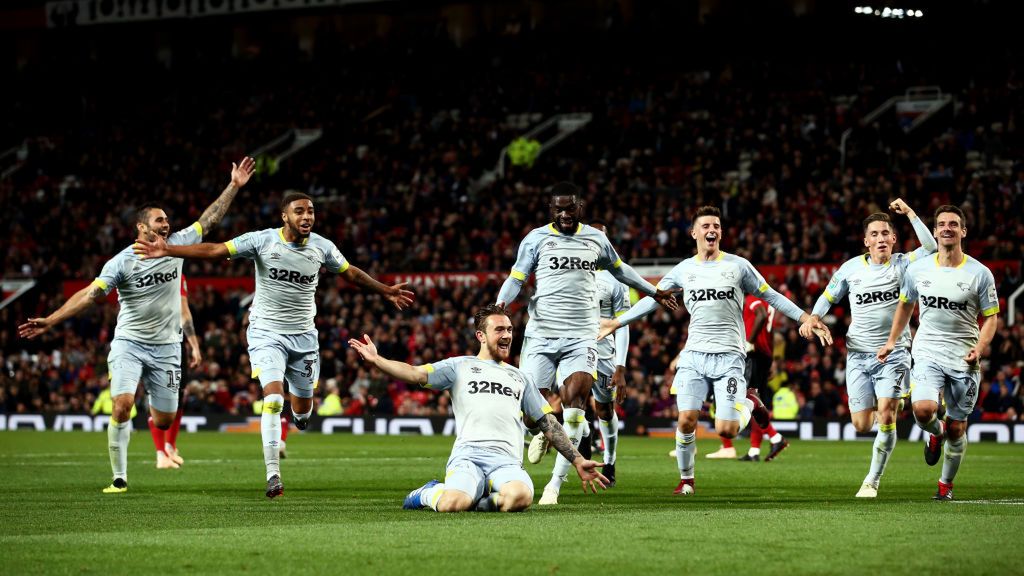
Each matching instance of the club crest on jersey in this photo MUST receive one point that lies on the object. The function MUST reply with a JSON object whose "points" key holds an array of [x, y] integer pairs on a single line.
{"points": [[964, 286], [729, 275]]}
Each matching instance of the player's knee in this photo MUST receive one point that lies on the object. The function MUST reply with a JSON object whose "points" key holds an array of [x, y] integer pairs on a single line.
{"points": [[515, 497], [687, 424], [604, 411], [955, 429], [454, 501], [727, 428], [862, 421], [924, 413]]}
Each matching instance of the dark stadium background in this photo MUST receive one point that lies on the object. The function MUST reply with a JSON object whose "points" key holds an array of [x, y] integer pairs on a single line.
{"points": [[409, 105]]}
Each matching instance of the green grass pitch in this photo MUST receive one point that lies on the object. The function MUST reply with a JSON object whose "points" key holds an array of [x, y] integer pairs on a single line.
{"points": [[341, 512]]}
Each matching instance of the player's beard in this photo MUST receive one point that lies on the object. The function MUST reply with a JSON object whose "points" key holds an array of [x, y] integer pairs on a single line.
{"points": [[298, 231], [496, 353], [569, 228]]}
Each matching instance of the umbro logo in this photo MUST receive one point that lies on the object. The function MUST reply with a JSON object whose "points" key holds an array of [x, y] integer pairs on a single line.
{"points": [[691, 277], [925, 283], [275, 256], [551, 245], [856, 282], [476, 369]]}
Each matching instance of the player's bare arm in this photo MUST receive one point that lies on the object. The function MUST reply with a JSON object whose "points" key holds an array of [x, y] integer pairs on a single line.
{"points": [[619, 383], [400, 370], [240, 174], [398, 296], [78, 302], [189, 330], [988, 330], [587, 469], [899, 322], [159, 248]]}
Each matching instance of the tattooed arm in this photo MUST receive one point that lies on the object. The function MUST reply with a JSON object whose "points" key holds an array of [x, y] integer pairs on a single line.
{"points": [[81, 300], [587, 469], [240, 174]]}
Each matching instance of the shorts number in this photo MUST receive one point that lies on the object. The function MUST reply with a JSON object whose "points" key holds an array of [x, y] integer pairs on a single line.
{"points": [[173, 379], [309, 368]]}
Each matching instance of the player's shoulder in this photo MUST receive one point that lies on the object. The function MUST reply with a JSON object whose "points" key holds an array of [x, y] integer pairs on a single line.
{"points": [[320, 242], [588, 231], [922, 264], [736, 260], [976, 267], [853, 264]]}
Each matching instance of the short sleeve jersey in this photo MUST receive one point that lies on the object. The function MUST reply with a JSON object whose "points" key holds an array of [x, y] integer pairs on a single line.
{"points": [[488, 400], [951, 299], [613, 301], [565, 266], [287, 274], [148, 291], [713, 293]]}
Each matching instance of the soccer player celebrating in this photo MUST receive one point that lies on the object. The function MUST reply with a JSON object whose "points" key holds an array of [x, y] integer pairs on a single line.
{"points": [[147, 338], [565, 256], [489, 398], [713, 284], [954, 290], [613, 300], [283, 343], [872, 281]]}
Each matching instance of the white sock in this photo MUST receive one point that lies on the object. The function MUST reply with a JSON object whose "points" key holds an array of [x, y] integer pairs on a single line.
{"points": [[686, 452], [776, 438], [430, 497], [118, 435], [885, 441], [745, 407], [933, 426], [954, 454], [610, 434], [575, 421], [754, 451], [270, 426]]}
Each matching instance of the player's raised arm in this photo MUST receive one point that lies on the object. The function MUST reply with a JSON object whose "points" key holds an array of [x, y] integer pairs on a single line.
{"points": [[159, 248], [587, 469], [78, 302], [924, 235], [400, 370], [396, 294], [240, 174]]}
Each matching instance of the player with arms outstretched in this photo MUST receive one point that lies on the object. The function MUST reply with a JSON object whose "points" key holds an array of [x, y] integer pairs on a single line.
{"points": [[489, 398], [147, 338], [283, 343], [713, 284]]}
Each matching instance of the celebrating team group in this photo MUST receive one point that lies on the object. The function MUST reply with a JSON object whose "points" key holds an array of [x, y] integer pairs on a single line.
{"points": [[575, 342]]}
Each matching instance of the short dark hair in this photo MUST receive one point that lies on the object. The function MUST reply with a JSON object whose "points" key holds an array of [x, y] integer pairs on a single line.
{"points": [[706, 211], [290, 197], [486, 312], [952, 210], [564, 189], [142, 214], [877, 217]]}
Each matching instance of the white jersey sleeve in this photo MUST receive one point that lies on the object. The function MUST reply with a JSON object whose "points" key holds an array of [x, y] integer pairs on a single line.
{"points": [[188, 236], [526, 259], [533, 404], [113, 273], [334, 260], [443, 375], [248, 245]]}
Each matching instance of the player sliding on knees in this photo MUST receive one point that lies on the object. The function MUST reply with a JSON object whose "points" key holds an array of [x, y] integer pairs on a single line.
{"points": [[714, 284], [283, 343], [489, 397]]}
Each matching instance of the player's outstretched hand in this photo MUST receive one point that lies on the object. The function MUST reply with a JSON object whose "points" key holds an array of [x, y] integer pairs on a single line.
{"points": [[667, 298], [608, 325], [241, 172], [33, 328], [885, 350], [399, 297], [365, 348], [815, 327], [592, 479], [150, 250], [900, 207]]}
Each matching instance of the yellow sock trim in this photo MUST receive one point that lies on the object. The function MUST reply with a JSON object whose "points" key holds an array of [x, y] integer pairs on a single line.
{"points": [[272, 407], [887, 427], [435, 499]]}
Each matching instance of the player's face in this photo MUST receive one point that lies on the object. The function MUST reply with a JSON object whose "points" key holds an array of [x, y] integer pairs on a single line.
{"points": [[497, 337], [708, 233], [156, 224], [879, 239], [299, 217], [949, 230], [566, 211]]}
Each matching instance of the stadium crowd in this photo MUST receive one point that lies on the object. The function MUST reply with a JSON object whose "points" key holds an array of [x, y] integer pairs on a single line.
{"points": [[396, 175]]}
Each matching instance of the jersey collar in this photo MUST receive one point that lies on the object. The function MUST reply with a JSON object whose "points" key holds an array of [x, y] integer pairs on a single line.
{"points": [[721, 254], [960, 265], [280, 234], [551, 226], [868, 262]]}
